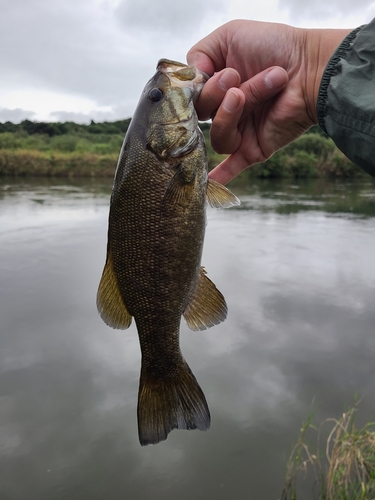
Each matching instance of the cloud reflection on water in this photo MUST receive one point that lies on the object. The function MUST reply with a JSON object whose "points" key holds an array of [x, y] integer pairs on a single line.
{"points": [[300, 290]]}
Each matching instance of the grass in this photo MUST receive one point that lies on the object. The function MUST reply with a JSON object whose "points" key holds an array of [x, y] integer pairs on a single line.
{"points": [[346, 468], [41, 163]]}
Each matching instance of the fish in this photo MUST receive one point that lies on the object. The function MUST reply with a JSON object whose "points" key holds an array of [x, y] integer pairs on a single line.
{"points": [[156, 228]]}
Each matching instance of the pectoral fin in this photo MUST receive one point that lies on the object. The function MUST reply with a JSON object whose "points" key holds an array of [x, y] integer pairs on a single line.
{"points": [[218, 196], [179, 189], [109, 302], [207, 306]]}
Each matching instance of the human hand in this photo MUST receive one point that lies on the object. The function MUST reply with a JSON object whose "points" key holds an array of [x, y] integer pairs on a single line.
{"points": [[264, 87]]}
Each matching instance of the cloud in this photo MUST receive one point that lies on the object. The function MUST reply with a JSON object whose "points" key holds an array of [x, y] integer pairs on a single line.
{"points": [[15, 115], [97, 116], [166, 16], [66, 46], [318, 10], [103, 52]]}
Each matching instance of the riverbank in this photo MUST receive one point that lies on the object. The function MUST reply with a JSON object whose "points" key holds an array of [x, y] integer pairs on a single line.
{"points": [[284, 164], [74, 150], [21, 162]]}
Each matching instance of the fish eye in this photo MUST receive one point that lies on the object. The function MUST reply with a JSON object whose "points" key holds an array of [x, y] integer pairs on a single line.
{"points": [[155, 95]]}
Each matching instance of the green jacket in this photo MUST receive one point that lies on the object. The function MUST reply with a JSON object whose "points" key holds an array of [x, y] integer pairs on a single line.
{"points": [[346, 101]]}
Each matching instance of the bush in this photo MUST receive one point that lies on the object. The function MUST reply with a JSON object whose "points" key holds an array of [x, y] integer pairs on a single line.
{"points": [[274, 167], [338, 165], [36, 142], [66, 143], [9, 140], [312, 143], [304, 165]]}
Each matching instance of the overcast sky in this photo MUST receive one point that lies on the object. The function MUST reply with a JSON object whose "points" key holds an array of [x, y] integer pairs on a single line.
{"points": [[89, 59]]}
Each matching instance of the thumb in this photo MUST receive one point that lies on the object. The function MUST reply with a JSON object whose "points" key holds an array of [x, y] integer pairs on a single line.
{"points": [[200, 60]]}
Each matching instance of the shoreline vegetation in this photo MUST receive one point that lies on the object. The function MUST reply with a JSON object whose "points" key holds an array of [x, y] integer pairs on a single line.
{"points": [[336, 457], [74, 150]]}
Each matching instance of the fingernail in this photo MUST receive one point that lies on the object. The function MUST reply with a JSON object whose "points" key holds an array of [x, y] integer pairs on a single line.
{"points": [[275, 78], [231, 101], [228, 79]]}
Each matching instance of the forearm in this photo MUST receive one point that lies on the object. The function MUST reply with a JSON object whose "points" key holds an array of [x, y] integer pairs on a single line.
{"points": [[318, 46], [346, 97]]}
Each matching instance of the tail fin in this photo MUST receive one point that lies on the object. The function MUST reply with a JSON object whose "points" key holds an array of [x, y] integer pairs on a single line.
{"points": [[174, 402]]}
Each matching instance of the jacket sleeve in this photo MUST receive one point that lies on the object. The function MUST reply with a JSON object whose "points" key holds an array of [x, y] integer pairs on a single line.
{"points": [[346, 100]]}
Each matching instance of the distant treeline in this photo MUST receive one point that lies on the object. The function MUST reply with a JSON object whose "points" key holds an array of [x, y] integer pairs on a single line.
{"points": [[58, 128], [68, 148]]}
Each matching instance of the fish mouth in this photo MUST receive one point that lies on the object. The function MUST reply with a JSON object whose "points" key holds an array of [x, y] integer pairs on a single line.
{"points": [[182, 75]]}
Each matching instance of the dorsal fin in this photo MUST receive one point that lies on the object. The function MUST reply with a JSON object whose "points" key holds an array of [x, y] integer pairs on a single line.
{"points": [[207, 306]]}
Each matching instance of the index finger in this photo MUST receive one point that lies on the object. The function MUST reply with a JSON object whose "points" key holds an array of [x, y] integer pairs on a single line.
{"points": [[229, 168], [214, 91]]}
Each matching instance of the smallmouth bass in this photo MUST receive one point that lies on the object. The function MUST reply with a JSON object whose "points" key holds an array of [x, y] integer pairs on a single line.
{"points": [[155, 239]]}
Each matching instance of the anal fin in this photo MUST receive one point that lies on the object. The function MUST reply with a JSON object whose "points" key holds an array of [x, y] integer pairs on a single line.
{"points": [[207, 306]]}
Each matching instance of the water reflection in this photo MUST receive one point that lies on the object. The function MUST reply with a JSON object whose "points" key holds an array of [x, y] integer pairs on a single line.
{"points": [[338, 197], [295, 264]]}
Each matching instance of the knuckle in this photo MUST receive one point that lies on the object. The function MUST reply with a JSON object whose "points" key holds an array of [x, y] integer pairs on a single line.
{"points": [[218, 142], [218, 146], [223, 140], [253, 96]]}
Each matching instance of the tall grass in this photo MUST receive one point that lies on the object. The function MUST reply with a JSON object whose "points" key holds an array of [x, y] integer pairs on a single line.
{"points": [[343, 468], [39, 163]]}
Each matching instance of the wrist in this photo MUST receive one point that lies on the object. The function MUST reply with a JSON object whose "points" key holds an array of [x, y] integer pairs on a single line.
{"points": [[318, 47]]}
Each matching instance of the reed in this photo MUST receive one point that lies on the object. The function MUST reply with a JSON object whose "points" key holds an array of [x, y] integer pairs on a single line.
{"points": [[345, 470]]}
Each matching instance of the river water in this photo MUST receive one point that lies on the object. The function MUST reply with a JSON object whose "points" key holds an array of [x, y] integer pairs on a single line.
{"points": [[296, 265]]}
